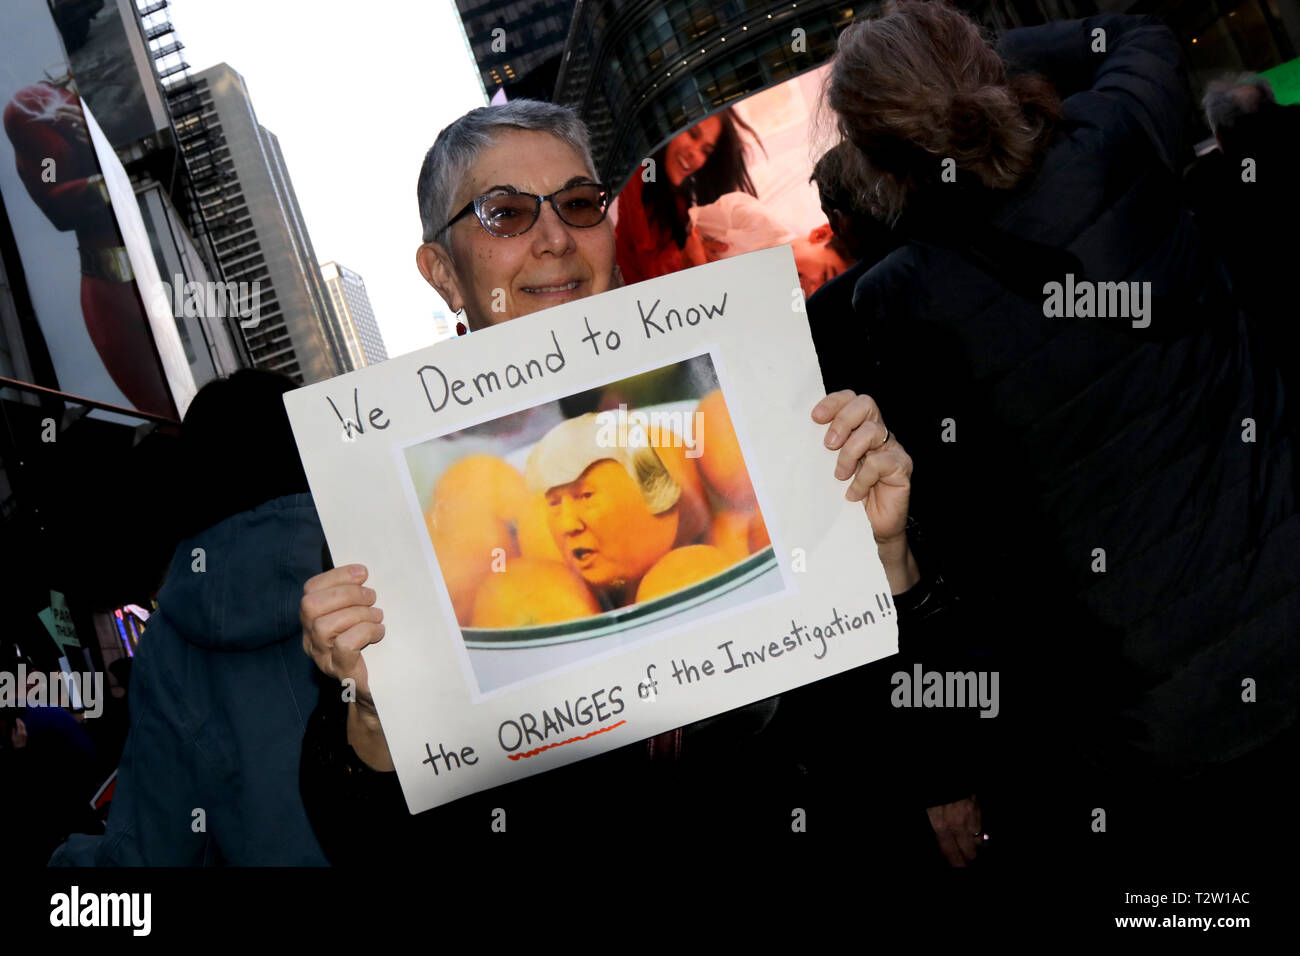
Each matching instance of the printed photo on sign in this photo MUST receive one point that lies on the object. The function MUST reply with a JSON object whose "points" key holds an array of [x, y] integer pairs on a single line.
{"points": [[593, 522]]}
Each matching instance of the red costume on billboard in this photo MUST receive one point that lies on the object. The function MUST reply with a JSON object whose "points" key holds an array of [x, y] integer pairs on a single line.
{"points": [[78, 200], [644, 249]]}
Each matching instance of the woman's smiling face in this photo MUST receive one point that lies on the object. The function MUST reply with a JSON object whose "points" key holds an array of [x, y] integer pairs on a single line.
{"points": [[495, 279], [687, 152]]}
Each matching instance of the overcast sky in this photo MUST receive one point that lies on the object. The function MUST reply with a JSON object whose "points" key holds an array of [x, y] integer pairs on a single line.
{"points": [[356, 92]]}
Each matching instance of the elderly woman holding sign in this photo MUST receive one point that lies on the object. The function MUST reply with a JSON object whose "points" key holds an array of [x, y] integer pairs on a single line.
{"points": [[514, 222]]}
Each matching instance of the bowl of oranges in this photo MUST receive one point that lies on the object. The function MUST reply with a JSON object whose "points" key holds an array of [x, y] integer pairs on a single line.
{"points": [[569, 539]]}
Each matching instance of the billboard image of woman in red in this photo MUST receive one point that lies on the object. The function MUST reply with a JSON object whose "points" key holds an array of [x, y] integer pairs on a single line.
{"points": [[706, 196], [696, 167]]}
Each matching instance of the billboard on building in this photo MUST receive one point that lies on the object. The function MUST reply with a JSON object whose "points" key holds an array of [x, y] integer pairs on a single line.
{"points": [[733, 183], [82, 242], [110, 69]]}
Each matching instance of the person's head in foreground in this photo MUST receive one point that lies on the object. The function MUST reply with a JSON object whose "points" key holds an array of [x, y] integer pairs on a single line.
{"points": [[237, 448], [841, 179], [1233, 106], [920, 85], [610, 509], [513, 217]]}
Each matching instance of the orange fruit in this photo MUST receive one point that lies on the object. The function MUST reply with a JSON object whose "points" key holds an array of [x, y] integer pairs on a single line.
{"points": [[720, 459], [693, 505], [532, 591], [466, 550], [482, 483], [476, 504], [534, 532], [679, 568], [729, 533], [758, 536]]}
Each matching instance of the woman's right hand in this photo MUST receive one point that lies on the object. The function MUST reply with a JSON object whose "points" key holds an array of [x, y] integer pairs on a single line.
{"points": [[338, 620]]}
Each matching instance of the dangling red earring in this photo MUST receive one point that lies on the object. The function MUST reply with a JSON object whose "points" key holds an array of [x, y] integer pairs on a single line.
{"points": [[460, 328]]}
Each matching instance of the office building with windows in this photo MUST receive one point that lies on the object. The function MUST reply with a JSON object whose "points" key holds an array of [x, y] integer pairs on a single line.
{"points": [[517, 44], [357, 326], [640, 72], [259, 234]]}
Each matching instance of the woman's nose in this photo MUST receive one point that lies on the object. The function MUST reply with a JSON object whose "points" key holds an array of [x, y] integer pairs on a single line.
{"points": [[552, 233]]}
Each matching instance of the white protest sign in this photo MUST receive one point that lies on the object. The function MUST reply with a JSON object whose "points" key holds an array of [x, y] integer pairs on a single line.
{"points": [[594, 524]]}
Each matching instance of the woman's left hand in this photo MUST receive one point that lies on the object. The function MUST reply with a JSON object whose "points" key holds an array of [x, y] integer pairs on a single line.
{"points": [[694, 253], [881, 473]]}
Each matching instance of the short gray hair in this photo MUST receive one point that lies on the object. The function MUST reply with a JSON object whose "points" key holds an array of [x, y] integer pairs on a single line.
{"points": [[1223, 109], [457, 148]]}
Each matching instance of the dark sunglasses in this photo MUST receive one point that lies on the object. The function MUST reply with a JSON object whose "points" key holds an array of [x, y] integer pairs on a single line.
{"points": [[512, 214]]}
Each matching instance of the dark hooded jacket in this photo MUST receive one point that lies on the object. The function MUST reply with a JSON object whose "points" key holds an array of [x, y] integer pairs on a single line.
{"points": [[220, 696], [1121, 498]]}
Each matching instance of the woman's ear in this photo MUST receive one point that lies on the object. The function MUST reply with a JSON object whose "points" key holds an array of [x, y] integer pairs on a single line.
{"points": [[435, 265]]}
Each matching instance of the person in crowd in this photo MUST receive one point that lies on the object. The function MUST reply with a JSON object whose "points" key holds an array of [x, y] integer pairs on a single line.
{"points": [[859, 237], [741, 763], [1243, 191], [654, 235], [51, 769], [1114, 476], [220, 691]]}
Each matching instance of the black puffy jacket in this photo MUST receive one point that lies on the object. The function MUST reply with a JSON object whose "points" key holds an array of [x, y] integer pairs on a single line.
{"points": [[1121, 500]]}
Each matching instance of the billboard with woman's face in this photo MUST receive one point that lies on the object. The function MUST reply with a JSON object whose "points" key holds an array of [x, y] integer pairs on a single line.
{"points": [[734, 182]]}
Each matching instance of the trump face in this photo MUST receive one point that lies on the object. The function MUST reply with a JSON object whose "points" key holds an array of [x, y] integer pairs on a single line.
{"points": [[604, 528]]}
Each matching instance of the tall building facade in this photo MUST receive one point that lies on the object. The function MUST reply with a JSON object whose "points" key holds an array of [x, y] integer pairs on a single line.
{"points": [[641, 71], [259, 234], [357, 325], [517, 44]]}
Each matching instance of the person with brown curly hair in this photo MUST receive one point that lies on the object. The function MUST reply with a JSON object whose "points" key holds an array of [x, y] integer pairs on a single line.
{"points": [[1119, 491]]}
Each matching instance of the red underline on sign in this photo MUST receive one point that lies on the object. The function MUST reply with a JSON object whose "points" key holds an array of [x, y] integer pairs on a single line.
{"points": [[534, 753]]}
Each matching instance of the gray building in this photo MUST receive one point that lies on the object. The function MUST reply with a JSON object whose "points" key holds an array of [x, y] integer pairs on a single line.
{"points": [[260, 236], [210, 340], [516, 43], [357, 326]]}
